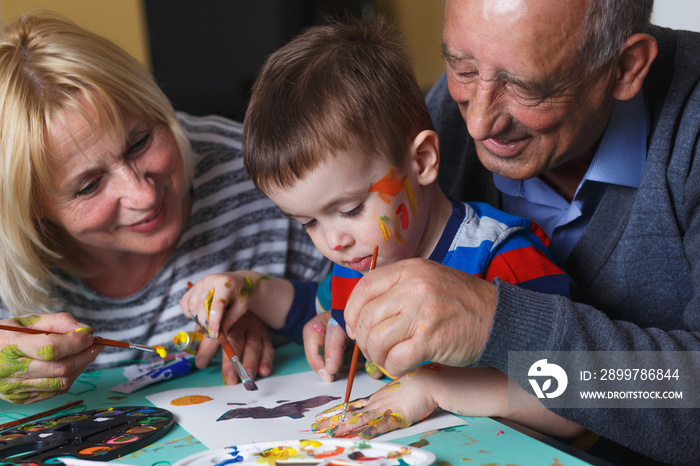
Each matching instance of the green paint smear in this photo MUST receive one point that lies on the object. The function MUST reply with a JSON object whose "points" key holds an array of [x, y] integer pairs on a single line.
{"points": [[248, 287], [89, 330], [14, 362], [27, 320], [46, 353]]}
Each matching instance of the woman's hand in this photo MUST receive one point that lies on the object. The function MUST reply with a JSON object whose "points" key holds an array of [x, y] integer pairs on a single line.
{"points": [[397, 405], [37, 367]]}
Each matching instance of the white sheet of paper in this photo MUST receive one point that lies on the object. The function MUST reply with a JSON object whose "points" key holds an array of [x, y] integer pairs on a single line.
{"points": [[77, 462], [200, 420]]}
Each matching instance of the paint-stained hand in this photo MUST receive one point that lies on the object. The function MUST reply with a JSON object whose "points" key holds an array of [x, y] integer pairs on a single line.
{"points": [[37, 367], [241, 305], [324, 344], [250, 338], [397, 405], [217, 294], [418, 310]]}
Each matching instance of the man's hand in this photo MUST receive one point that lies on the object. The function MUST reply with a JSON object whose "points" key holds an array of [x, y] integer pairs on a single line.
{"points": [[417, 310]]}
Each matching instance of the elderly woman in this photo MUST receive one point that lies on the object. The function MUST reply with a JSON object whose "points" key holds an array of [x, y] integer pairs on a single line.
{"points": [[110, 203]]}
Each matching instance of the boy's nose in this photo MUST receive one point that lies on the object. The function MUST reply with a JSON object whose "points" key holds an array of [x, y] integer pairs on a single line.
{"points": [[337, 239]]}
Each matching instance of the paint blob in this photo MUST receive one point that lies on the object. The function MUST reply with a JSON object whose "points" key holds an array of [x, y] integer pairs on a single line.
{"points": [[190, 400]]}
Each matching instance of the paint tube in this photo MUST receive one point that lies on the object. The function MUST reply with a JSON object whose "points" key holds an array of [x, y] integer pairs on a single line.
{"points": [[188, 341], [157, 372]]}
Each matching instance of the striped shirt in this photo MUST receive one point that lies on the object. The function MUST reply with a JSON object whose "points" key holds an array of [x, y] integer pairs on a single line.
{"points": [[231, 226]]}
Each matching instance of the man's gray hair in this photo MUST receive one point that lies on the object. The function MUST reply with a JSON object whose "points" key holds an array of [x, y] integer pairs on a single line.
{"points": [[608, 24]]}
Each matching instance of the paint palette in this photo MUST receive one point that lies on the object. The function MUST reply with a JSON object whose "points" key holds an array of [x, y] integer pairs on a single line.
{"points": [[324, 452], [100, 434]]}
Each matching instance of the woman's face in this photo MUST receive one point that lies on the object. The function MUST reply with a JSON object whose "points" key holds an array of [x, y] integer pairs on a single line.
{"points": [[115, 197]]}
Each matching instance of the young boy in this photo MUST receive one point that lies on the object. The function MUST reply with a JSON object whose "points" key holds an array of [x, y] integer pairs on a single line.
{"points": [[337, 134]]}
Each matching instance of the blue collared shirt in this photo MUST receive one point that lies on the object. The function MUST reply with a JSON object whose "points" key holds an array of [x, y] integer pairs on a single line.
{"points": [[619, 160]]}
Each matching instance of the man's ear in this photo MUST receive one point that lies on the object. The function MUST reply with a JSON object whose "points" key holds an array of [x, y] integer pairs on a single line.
{"points": [[638, 53], [425, 152]]}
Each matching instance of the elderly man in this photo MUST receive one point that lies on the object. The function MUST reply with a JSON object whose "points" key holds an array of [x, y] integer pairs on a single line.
{"points": [[582, 117]]}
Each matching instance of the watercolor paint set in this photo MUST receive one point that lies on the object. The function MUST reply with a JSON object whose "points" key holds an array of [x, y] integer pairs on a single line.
{"points": [[100, 434], [315, 452]]}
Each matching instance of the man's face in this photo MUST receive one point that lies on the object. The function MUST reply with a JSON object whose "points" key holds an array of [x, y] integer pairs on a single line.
{"points": [[512, 66]]}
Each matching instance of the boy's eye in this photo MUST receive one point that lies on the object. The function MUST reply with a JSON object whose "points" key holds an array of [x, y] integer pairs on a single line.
{"points": [[353, 212], [307, 225]]}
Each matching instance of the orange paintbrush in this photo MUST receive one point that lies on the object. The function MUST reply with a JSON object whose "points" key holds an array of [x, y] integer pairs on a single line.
{"points": [[355, 352]]}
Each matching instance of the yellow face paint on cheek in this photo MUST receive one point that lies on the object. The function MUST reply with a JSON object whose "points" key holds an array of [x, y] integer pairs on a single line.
{"points": [[411, 197], [383, 228]]}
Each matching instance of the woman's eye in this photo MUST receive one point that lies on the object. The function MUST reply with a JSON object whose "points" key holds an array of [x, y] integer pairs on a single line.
{"points": [[307, 225], [354, 212], [139, 145], [90, 188]]}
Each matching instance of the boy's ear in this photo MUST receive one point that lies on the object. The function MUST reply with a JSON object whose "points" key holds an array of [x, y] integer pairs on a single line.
{"points": [[638, 53], [425, 152]]}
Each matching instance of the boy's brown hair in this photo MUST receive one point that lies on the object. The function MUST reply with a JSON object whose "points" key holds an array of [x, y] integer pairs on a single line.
{"points": [[334, 87]]}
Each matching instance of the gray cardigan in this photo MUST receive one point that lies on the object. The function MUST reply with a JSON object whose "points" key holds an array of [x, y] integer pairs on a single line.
{"points": [[637, 264]]}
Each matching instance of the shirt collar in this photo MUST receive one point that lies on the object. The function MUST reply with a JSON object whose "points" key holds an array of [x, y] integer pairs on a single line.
{"points": [[621, 153]]}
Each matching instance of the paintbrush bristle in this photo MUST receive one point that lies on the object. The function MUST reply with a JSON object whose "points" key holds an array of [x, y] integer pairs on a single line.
{"points": [[250, 385]]}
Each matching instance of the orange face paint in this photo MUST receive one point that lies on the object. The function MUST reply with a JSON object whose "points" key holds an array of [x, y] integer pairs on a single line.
{"points": [[388, 186]]}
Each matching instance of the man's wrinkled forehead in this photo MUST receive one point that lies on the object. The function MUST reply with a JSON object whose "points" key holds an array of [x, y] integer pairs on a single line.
{"points": [[518, 34]]}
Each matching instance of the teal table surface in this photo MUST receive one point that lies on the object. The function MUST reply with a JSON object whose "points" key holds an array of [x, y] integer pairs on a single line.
{"points": [[482, 441]]}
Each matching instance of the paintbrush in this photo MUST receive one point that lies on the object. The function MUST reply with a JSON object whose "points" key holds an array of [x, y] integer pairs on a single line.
{"points": [[24, 420], [227, 348], [355, 352], [32, 417], [99, 340]]}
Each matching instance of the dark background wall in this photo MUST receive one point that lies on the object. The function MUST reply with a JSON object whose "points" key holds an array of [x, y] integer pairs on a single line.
{"points": [[206, 58]]}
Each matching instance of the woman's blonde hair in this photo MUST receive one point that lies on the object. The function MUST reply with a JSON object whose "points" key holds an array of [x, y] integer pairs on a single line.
{"points": [[49, 65]]}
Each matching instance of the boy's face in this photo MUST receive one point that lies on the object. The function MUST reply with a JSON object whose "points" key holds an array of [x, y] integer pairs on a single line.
{"points": [[349, 205]]}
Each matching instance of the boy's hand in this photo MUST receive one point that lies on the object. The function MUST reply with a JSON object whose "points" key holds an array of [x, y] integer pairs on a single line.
{"points": [[209, 299], [216, 303], [324, 345], [250, 339], [397, 405]]}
